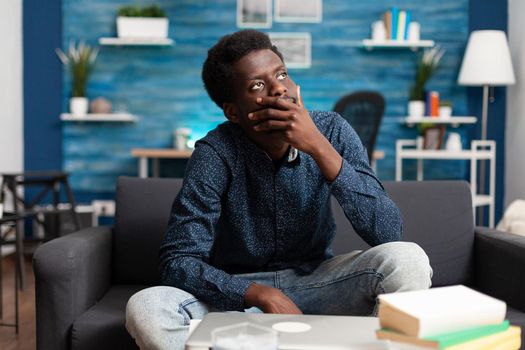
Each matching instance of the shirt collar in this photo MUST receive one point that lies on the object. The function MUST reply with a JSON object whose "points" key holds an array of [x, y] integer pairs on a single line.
{"points": [[255, 152]]}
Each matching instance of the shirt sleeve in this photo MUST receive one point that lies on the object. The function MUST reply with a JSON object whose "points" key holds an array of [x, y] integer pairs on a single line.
{"points": [[185, 251], [373, 215]]}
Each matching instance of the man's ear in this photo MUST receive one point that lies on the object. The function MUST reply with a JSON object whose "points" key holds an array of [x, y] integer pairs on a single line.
{"points": [[231, 112]]}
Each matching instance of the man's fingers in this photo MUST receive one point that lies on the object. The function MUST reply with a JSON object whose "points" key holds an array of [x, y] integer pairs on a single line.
{"points": [[271, 124], [280, 102], [299, 97], [269, 113]]}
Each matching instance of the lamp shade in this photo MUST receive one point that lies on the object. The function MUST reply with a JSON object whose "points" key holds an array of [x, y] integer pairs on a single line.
{"points": [[487, 60]]}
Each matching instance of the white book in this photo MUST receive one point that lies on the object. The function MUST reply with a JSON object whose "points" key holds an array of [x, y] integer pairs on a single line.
{"points": [[401, 25], [438, 310]]}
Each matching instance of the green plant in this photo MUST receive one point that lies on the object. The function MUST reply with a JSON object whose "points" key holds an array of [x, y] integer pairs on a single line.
{"points": [[427, 65], [80, 58], [445, 103], [137, 11], [422, 127]]}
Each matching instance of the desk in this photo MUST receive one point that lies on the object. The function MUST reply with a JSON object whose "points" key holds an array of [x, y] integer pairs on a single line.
{"points": [[479, 150], [144, 154]]}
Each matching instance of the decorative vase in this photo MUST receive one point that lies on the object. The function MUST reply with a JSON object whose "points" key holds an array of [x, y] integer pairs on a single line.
{"points": [[416, 109], [445, 111], [142, 27], [78, 106], [1, 209]]}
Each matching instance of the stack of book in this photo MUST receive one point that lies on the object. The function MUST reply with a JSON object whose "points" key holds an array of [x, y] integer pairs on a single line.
{"points": [[451, 318], [396, 24]]}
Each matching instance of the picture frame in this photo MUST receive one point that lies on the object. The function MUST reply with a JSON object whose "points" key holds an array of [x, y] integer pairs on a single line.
{"points": [[254, 13], [433, 137], [295, 47], [299, 11]]}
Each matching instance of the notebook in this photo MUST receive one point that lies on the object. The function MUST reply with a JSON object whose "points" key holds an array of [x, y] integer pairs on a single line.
{"points": [[315, 331]]}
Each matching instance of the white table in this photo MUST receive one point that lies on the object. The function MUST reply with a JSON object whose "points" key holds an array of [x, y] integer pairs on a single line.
{"points": [[479, 150], [144, 154]]}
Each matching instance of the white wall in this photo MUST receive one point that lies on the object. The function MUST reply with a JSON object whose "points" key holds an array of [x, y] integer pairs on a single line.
{"points": [[515, 129], [11, 115]]}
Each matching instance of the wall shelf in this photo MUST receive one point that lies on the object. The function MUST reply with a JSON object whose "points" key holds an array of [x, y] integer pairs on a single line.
{"points": [[454, 121], [370, 44], [136, 41], [99, 117]]}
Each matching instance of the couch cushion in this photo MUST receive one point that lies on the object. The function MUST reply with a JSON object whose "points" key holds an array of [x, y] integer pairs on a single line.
{"points": [[143, 208], [103, 325], [438, 216]]}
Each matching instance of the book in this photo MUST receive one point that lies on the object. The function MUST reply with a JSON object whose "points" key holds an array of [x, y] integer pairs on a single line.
{"points": [[434, 104], [441, 341], [438, 310], [407, 23], [387, 18], [395, 16], [401, 25], [506, 340]]}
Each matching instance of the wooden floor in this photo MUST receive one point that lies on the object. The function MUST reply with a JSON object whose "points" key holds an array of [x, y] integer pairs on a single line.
{"points": [[25, 340]]}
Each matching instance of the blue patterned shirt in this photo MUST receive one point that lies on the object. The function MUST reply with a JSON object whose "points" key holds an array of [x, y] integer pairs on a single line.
{"points": [[239, 212]]}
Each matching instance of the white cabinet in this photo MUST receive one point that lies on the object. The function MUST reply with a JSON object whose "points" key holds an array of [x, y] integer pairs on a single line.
{"points": [[479, 150]]}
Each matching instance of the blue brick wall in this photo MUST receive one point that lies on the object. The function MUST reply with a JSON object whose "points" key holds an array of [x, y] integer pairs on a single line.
{"points": [[162, 84]]}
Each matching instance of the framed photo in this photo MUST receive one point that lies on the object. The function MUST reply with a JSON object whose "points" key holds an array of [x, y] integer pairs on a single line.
{"points": [[254, 13], [433, 137], [299, 11], [295, 47]]}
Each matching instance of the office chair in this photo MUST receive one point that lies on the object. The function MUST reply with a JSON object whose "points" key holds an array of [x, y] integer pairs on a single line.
{"points": [[363, 110]]}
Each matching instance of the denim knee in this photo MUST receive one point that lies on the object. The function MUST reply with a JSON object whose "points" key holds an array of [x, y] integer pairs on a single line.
{"points": [[405, 266]]}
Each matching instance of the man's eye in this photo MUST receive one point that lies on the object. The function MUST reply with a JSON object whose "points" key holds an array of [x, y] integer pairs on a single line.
{"points": [[258, 86], [282, 76]]}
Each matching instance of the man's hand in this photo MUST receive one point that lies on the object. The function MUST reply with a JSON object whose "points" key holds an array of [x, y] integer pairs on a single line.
{"points": [[270, 300], [298, 129], [292, 120]]}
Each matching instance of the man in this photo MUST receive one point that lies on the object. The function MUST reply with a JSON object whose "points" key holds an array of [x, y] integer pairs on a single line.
{"points": [[252, 224]]}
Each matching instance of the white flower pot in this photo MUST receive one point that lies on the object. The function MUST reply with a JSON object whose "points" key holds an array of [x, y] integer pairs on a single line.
{"points": [[445, 112], [416, 108], [142, 27], [78, 106]]}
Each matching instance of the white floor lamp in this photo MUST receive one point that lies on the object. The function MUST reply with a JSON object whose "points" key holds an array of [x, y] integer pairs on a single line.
{"points": [[486, 63]]}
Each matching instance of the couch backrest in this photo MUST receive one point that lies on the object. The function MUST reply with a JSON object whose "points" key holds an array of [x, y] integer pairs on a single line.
{"points": [[436, 214], [142, 211]]}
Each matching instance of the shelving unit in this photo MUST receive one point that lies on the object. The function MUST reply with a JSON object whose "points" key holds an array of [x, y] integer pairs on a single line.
{"points": [[370, 44], [454, 121], [479, 150], [136, 41], [99, 117]]}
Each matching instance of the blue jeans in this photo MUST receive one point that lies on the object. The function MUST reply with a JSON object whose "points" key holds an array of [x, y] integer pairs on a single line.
{"points": [[158, 317]]}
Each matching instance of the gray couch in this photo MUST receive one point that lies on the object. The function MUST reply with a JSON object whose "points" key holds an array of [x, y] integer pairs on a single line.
{"points": [[83, 280]]}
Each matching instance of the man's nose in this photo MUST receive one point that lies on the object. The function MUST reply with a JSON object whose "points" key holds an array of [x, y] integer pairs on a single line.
{"points": [[278, 88]]}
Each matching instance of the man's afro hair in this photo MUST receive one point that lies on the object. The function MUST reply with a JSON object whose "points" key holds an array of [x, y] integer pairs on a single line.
{"points": [[217, 71]]}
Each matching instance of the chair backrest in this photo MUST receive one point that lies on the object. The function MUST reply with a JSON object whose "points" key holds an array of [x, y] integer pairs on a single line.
{"points": [[143, 207], [438, 216], [363, 110]]}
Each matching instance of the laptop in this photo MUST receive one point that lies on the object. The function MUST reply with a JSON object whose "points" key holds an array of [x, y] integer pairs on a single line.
{"points": [[305, 332]]}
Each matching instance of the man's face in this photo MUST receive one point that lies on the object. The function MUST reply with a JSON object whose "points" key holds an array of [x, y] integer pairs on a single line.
{"points": [[258, 74]]}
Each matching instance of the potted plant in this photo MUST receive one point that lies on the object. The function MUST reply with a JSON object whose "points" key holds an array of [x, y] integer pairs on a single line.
{"points": [[142, 22], [80, 58], [445, 109], [427, 65]]}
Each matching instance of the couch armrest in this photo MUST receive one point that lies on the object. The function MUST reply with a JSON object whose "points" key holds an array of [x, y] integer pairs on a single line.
{"points": [[71, 273], [500, 265]]}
